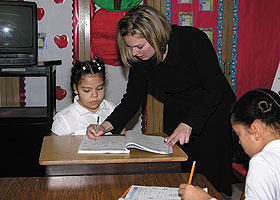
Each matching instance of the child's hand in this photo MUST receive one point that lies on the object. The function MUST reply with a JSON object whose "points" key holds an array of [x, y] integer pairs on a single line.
{"points": [[103, 128], [188, 191], [91, 131]]}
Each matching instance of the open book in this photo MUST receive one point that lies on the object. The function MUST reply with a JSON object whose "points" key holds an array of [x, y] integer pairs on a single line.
{"points": [[122, 144]]}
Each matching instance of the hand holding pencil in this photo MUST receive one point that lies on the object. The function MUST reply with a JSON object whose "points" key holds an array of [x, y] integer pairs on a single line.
{"points": [[188, 191], [94, 131]]}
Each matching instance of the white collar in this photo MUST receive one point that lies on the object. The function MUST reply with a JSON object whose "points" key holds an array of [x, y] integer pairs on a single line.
{"points": [[272, 144], [82, 110]]}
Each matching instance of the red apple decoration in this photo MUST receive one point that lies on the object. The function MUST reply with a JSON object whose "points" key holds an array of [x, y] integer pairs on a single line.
{"points": [[60, 93], [58, 1], [61, 41], [40, 13]]}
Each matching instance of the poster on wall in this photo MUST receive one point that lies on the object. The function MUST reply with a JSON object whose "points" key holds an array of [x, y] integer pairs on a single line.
{"points": [[206, 5], [208, 32], [184, 1], [185, 19]]}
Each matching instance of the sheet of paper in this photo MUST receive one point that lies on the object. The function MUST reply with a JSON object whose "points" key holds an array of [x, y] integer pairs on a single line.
{"points": [[152, 193]]}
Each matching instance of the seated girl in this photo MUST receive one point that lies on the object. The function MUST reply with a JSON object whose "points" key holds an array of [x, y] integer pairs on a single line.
{"points": [[255, 119], [88, 85]]}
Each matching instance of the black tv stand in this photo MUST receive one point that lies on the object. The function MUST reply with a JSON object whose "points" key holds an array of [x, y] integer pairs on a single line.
{"points": [[32, 114], [23, 128]]}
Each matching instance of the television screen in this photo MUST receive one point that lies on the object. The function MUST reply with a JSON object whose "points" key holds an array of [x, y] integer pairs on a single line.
{"points": [[15, 26], [18, 33]]}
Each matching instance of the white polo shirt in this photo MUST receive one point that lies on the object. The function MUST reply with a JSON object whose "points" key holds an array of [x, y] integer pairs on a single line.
{"points": [[263, 178], [75, 119]]}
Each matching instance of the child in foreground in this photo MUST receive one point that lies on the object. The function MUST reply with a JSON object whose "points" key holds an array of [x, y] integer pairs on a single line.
{"points": [[255, 119], [88, 85]]}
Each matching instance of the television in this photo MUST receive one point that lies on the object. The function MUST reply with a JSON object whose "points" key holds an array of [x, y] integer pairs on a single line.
{"points": [[18, 33]]}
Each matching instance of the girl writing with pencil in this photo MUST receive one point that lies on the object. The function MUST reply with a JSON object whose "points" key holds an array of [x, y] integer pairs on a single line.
{"points": [[88, 85], [255, 119]]}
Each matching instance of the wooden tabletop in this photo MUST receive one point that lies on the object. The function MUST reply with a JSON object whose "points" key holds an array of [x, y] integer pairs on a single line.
{"points": [[108, 187], [63, 150]]}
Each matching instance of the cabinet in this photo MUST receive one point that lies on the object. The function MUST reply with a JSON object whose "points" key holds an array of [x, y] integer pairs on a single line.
{"points": [[23, 128]]}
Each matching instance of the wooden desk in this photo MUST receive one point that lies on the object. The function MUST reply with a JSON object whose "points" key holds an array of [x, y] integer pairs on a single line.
{"points": [[60, 156], [107, 187]]}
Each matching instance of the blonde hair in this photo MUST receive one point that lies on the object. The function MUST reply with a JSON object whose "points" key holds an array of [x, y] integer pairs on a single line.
{"points": [[143, 22]]}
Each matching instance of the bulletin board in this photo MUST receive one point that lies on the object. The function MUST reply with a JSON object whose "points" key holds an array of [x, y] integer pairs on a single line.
{"points": [[206, 15], [257, 46]]}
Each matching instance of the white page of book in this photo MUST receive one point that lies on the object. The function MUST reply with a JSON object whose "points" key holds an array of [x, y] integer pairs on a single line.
{"points": [[146, 142], [152, 193], [106, 144]]}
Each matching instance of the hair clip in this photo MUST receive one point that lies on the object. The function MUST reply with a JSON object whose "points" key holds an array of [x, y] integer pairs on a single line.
{"points": [[96, 63], [84, 68], [270, 97], [264, 106]]}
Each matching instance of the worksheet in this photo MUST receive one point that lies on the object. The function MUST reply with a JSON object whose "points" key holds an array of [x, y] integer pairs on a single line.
{"points": [[152, 193]]}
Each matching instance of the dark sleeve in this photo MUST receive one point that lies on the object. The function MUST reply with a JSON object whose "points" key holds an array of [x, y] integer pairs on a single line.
{"points": [[213, 83], [130, 103]]}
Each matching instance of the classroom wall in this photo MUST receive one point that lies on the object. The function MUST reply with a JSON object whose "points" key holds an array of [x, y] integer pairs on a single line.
{"points": [[57, 20]]}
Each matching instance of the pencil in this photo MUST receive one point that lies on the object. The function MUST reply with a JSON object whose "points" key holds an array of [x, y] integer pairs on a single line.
{"points": [[191, 175], [97, 124], [125, 192]]}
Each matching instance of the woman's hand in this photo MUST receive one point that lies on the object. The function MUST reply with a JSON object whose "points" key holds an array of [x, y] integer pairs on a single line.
{"points": [[103, 128], [188, 191], [182, 133]]}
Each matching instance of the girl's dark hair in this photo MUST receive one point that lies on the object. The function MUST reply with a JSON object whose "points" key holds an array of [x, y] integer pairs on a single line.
{"points": [[258, 104], [84, 68]]}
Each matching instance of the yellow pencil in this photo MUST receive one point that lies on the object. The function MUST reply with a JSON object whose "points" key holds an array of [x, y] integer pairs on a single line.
{"points": [[191, 175], [126, 192]]}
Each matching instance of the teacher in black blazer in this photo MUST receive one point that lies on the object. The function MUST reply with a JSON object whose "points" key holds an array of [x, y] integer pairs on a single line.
{"points": [[181, 62]]}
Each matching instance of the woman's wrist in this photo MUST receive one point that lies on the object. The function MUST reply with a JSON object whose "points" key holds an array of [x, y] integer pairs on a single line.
{"points": [[107, 126]]}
